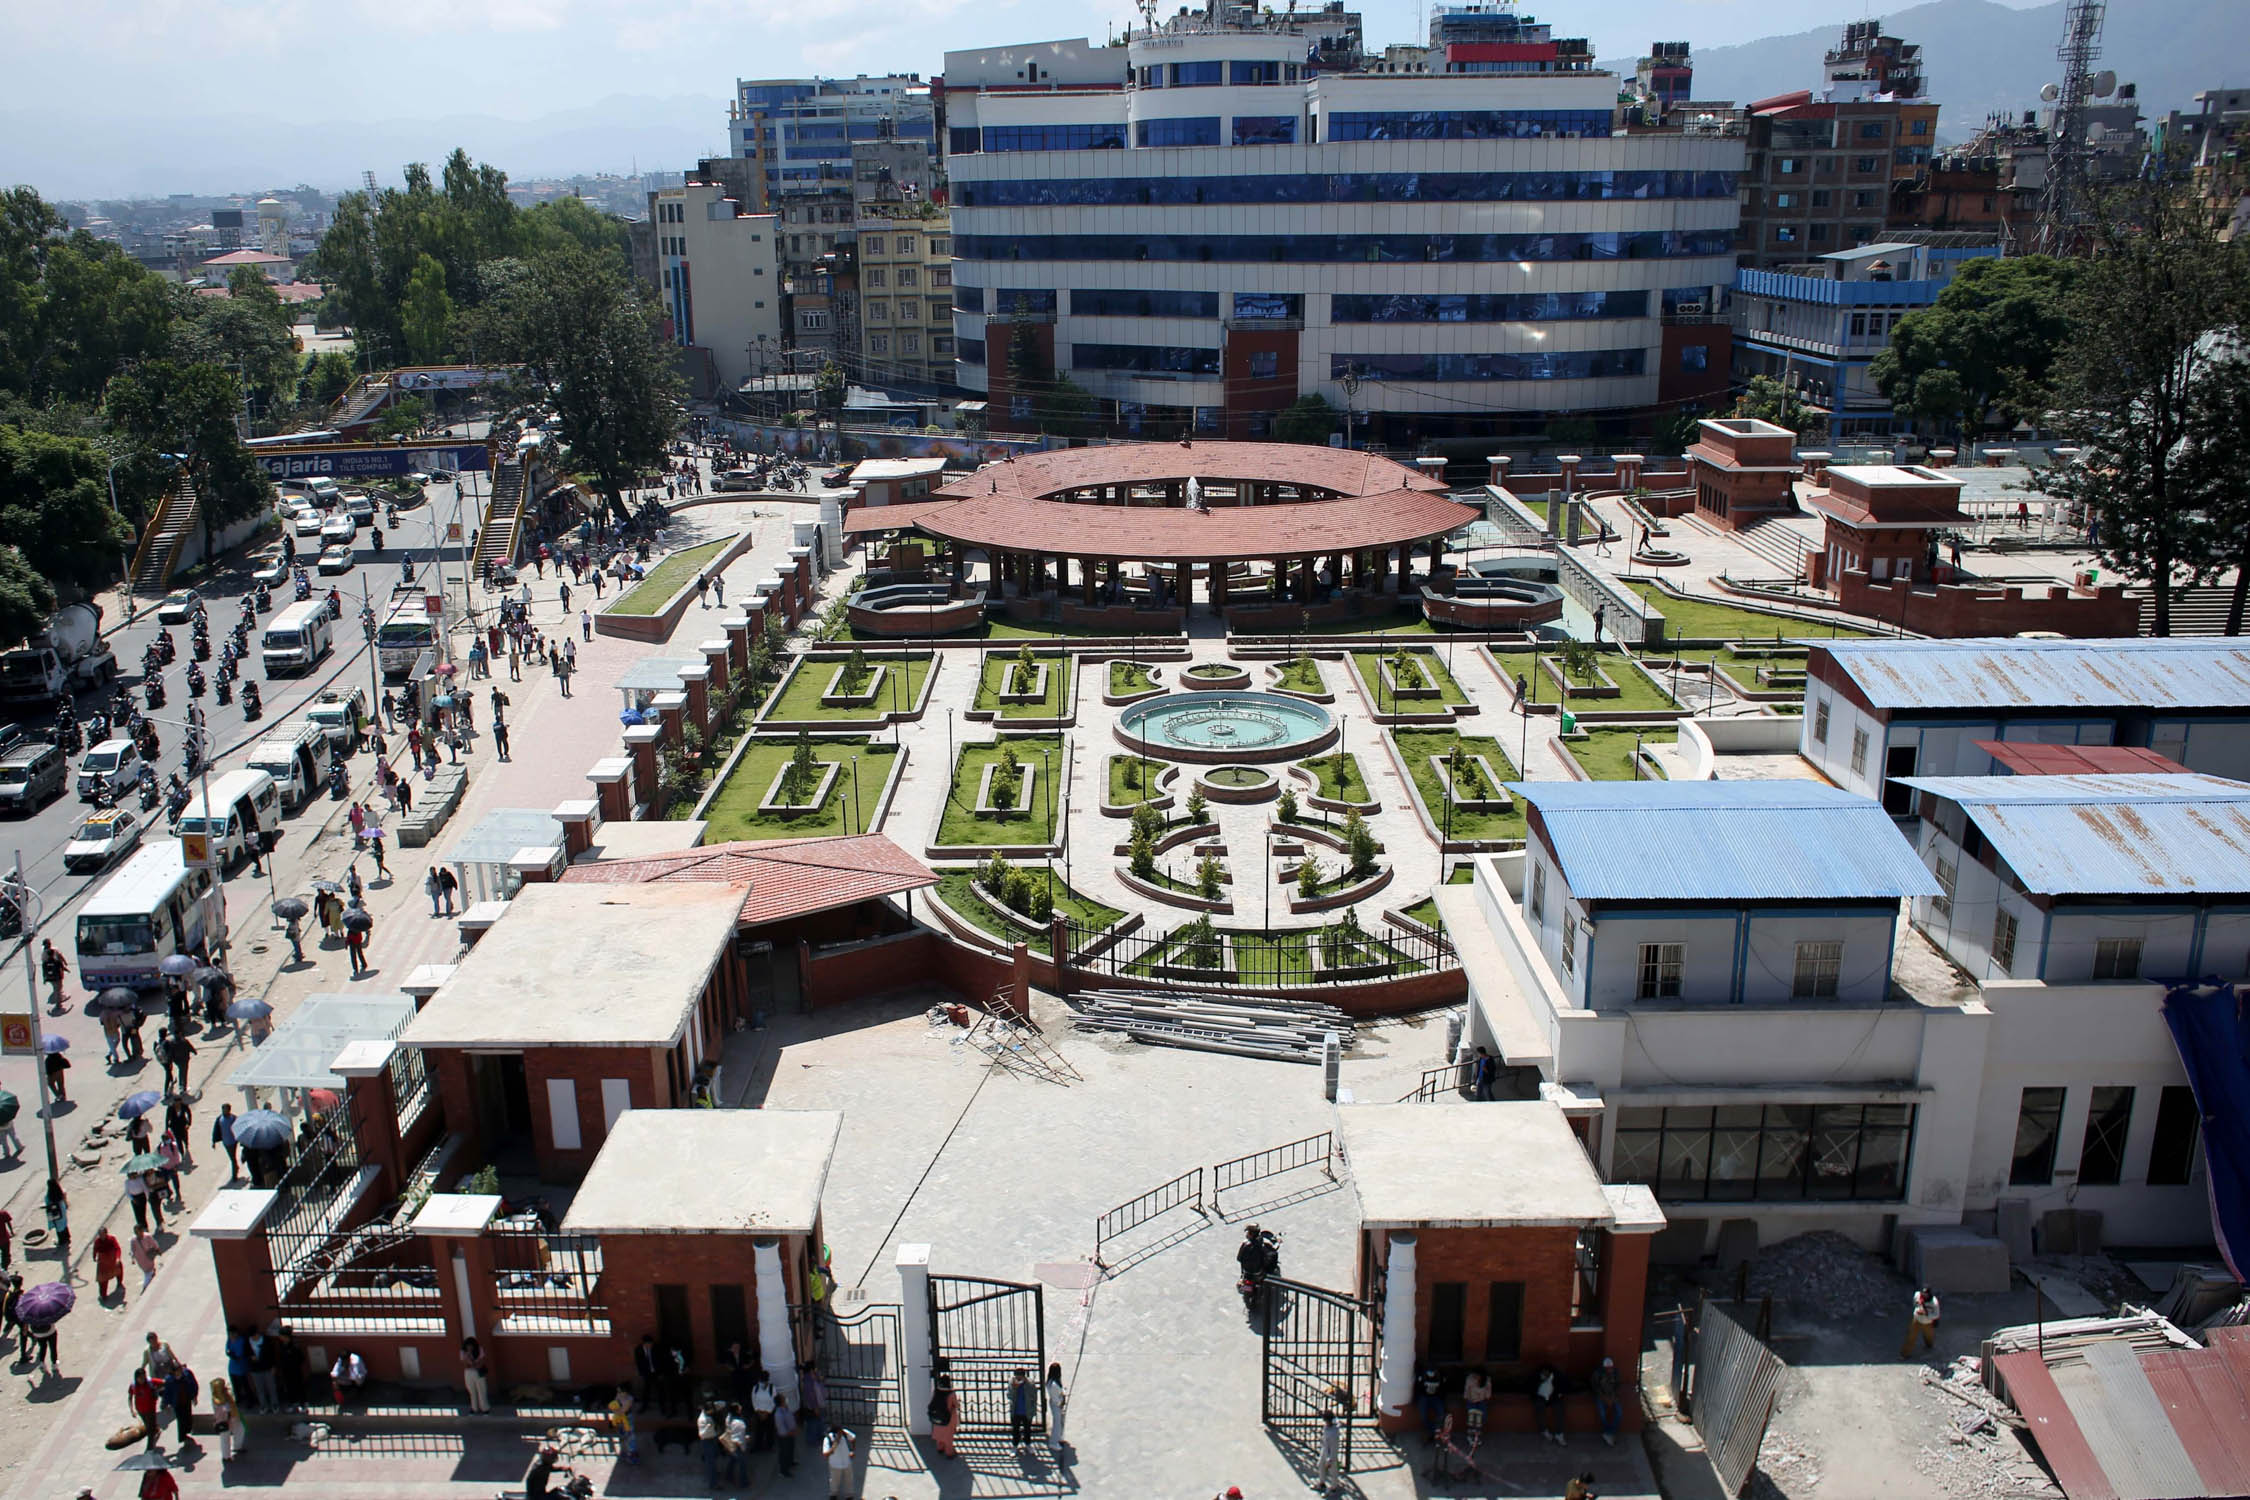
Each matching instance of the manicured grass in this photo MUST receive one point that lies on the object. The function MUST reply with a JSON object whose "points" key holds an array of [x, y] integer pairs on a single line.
{"points": [[1460, 875], [1736, 663], [1125, 786], [1008, 630], [1237, 776], [1342, 783], [1607, 754], [1036, 825], [1129, 677], [1272, 957], [1416, 746], [666, 579], [1706, 619], [1397, 622], [799, 698], [734, 812], [1341, 951], [1433, 668], [1636, 689], [1207, 670], [1062, 674], [1425, 912], [1303, 675], [956, 888]]}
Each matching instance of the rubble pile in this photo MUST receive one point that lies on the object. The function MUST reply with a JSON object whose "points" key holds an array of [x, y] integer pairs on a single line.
{"points": [[1824, 1274], [1973, 1446]]}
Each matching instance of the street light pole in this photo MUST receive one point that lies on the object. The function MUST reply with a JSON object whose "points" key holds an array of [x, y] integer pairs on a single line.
{"points": [[30, 912], [124, 558]]}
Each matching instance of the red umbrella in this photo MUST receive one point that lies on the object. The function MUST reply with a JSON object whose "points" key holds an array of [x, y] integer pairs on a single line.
{"points": [[323, 1099]]}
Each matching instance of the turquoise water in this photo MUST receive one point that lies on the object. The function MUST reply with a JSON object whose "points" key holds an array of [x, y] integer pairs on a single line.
{"points": [[1248, 722]]}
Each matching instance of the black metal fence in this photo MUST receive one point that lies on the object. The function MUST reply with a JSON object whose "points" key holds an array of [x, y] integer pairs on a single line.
{"points": [[1309, 957], [410, 1085], [1183, 1191], [982, 1333], [378, 1272], [861, 1360], [1317, 1357], [1447, 1078], [1313, 1151], [324, 1164], [552, 1278]]}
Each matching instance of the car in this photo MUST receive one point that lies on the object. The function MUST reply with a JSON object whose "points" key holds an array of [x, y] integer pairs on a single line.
{"points": [[116, 761], [100, 839], [836, 479], [177, 608], [734, 479], [337, 559], [338, 529], [307, 523], [359, 506], [273, 575]]}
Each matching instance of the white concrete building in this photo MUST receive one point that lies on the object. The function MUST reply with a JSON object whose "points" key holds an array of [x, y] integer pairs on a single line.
{"points": [[719, 277]]}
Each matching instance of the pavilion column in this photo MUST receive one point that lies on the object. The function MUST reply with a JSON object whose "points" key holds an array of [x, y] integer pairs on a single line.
{"points": [[1437, 555], [1187, 587], [1359, 570], [960, 579], [1218, 586], [1086, 578], [775, 1351], [1305, 579], [1395, 1371], [1405, 566]]}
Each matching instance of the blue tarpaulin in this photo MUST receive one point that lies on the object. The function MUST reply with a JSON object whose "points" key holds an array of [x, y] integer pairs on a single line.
{"points": [[2213, 1035]]}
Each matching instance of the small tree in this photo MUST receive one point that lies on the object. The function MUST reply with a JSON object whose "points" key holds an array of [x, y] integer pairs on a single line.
{"points": [[994, 876], [855, 670], [1147, 822], [1041, 907], [1359, 844], [1308, 878], [1199, 943], [1020, 887], [1198, 809], [1580, 661], [1207, 878], [1286, 808], [1142, 860], [804, 770]]}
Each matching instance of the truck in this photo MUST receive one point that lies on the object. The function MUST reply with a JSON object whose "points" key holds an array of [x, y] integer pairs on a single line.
{"points": [[64, 657]]}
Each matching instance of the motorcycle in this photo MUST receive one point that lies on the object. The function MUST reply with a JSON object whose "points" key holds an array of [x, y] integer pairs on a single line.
{"points": [[390, 520], [377, 538], [265, 598], [97, 728], [1257, 1268], [251, 706], [224, 692], [153, 690], [148, 795], [202, 648], [70, 737], [195, 681], [337, 783], [165, 649], [105, 795]]}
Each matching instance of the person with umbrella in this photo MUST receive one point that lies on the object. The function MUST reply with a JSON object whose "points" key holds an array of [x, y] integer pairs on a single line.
{"points": [[57, 1065], [144, 1198], [109, 1264], [375, 850], [357, 925], [174, 1056], [218, 988], [292, 911], [11, 1147], [37, 1313], [58, 1217], [257, 1014], [263, 1133]]}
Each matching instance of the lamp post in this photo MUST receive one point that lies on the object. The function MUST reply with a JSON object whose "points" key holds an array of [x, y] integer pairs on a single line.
{"points": [[30, 912], [124, 558]]}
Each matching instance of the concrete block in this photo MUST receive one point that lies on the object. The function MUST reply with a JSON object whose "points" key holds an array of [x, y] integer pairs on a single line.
{"points": [[1738, 1242], [2014, 1215], [1948, 1258], [2058, 1232], [1679, 1243], [434, 800]]}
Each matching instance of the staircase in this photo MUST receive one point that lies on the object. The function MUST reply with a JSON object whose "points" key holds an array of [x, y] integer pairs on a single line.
{"points": [[497, 543], [2198, 609], [1779, 543], [174, 522], [359, 405]]}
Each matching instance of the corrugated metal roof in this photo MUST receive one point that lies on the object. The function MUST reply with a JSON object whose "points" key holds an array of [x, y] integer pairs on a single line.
{"points": [[2126, 1426], [2110, 835], [2034, 758], [1724, 841], [2175, 673]]}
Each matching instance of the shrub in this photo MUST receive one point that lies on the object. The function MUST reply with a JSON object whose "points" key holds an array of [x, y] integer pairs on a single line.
{"points": [[1042, 904], [1199, 944], [1207, 878], [994, 875], [1198, 808], [1580, 661], [1133, 773], [1143, 854], [1308, 878], [1286, 808], [1359, 845], [1019, 889], [1147, 822]]}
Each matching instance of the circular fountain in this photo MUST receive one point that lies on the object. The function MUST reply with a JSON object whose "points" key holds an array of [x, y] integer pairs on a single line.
{"points": [[1217, 728]]}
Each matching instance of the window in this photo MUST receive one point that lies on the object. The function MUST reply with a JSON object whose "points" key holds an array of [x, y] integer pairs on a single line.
{"points": [[2117, 958], [878, 343], [1695, 358], [1859, 752], [1583, 365], [1586, 1280], [1660, 970], [1472, 307], [909, 276], [2101, 1161], [878, 311], [1538, 893], [1921, 127], [2179, 1122], [1449, 1308], [1569, 944], [1821, 197], [1147, 359], [941, 244], [1774, 1153], [1254, 73], [941, 343], [1503, 1322], [941, 276], [1820, 722], [1264, 364], [872, 244], [1947, 872], [1790, 166], [1194, 75], [1871, 130], [2004, 941], [875, 276], [1301, 249], [910, 343], [1466, 125], [1127, 303], [1788, 200], [1859, 325], [1265, 130], [1820, 233], [1784, 234], [2038, 1122], [1863, 200], [1867, 164], [906, 244], [909, 310], [1191, 130], [1819, 964], [1138, 191]]}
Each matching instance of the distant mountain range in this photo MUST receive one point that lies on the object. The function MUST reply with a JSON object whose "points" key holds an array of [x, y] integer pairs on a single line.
{"points": [[1979, 57]]}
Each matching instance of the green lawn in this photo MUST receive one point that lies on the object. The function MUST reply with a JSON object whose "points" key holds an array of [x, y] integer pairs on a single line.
{"points": [[1124, 779], [956, 889], [1416, 746], [1433, 666], [1272, 958], [666, 579], [1237, 776], [1129, 677], [1425, 912], [1607, 754], [1008, 630], [1303, 675], [734, 812], [1062, 675], [1637, 691], [1205, 671], [1707, 619], [799, 698], [1657, 659], [1341, 783], [961, 823]]}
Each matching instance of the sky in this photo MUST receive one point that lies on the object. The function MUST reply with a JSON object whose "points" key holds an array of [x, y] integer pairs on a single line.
{"points": [[156, 96]]}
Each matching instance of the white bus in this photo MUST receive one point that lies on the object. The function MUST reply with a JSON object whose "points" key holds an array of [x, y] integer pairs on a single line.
{"points": [[297, 638], [156, 905], [401, 639]]}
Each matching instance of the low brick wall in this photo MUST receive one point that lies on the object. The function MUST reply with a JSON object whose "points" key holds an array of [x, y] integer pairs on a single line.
{"points": [[1967, 610], [658, 626], [962, 614]]}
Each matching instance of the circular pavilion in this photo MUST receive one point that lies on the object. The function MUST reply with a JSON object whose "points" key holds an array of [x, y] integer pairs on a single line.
{"points": [[1102, 536]]}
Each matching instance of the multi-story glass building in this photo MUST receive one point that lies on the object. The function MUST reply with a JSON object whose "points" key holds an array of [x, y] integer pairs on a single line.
{"points": [[1244, 214]]}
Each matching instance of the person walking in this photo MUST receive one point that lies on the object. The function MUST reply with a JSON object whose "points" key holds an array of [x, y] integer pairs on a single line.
{"points": [[945, 1415], [113, 1033], [175, 1056], [703, 590], [734, 1446], [565, 590], [222, 1136], [375, 851], [710, 1421], [1057, 1401], [1023, 1409], [141, 1397], [586, 617], [355, 943], [1331, 1451], [264, 1357], [58, 1217], [500, 737], [436, 887], [180, 1391], [718, 589], [1921, 1328], [838, 1447], [53, 968], [109, 1265], [7, 1247], [57, 1066], [476, 1375], [784, 1436], [226, 1416], [136, 1196]]}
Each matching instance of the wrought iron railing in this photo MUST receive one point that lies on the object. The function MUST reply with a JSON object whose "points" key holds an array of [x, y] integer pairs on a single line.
{"points": [[1449, 1078], [1313, 1151], [410, 1085], [375, 1271], [1309, 957], [325, 1164], [551, 1278]]}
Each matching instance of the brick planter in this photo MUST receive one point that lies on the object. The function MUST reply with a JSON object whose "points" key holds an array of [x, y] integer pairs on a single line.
{"points": [[658, 626]]}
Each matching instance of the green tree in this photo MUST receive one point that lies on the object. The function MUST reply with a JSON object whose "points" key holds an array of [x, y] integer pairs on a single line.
{"points": [[404, 416], [2156, 314], [247, 332], [1987, 346], [188, 410], [1677, 430], [1768, 400], [326, 377], [54, 508], [426, 316], [1308, 419], [1308, 877], [26, 598], [73, 309], [829, 388]]}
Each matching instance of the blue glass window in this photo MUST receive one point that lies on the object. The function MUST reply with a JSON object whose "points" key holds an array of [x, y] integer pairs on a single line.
{"points": [[968, 298], [1694, 358], [1106, 137], [1465, 125], [1249, 306], [1010, 300], [1193, 130], [1196, 75], [1265, 130], [1647, 244], [1498, 307], [1346, 187], [969, 351], [1585, 365], [960, 141], [1145, 359], [1254, 72], [1102, 303]]}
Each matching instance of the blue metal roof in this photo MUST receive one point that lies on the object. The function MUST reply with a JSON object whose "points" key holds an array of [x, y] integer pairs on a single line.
{"points": [[2133, 835], [1724, 841], [2179, 672]]}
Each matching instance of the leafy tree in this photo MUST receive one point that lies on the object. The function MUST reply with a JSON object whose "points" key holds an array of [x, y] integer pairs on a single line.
{"points": [[1286, 808], [2155, 316], [1141, 858], [1208, 878], [326, 377], [1987, 346], [1768, 400], [1308, 878], [1308, 419], [188, 410], [247, 332], [426, 316], [1359, 845], [1198, 807], [72, 309], [1677, 430], [404, 416], [54, 508], [829, 389], [26, 598], [1572, 432]]}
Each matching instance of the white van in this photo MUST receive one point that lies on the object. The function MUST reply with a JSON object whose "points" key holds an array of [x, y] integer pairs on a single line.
{"points": [[296, 756], [117, 761], [297, 638], [324, 490], [244, 806]]}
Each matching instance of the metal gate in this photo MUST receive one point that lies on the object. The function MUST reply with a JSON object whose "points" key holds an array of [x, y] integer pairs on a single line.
{"points": [[861, 1362], [1737, 1380], [981, 1333], [1319, 1356]]}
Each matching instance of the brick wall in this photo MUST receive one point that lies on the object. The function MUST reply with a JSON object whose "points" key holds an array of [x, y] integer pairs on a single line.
{"points": [[1966, 610]]}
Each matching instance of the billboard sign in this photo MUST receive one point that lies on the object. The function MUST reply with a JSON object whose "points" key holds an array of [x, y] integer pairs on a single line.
{"points": [[451, 377], [371, 460], [15, 1034]]}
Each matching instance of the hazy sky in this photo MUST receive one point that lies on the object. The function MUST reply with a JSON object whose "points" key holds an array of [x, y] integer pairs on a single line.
{"points": [[91, 83]]}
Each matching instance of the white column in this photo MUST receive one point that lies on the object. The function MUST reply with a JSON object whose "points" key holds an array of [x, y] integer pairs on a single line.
{"points": [[914, 1333], [1396, 1373], [775, 1351]]}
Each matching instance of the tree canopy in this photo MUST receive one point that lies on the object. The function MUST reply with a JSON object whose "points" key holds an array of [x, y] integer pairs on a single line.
{"points": [[1984, 350]]}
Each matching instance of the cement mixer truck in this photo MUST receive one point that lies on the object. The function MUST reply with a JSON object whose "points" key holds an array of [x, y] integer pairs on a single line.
{"points": [[60, 660]]}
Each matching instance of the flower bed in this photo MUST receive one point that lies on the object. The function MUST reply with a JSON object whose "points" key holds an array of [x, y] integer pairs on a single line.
{"points": [[1472, 785], [1238, 784], [739, 807], [800, 698], [1127, 790], [1211, 675], [1014, 689]]}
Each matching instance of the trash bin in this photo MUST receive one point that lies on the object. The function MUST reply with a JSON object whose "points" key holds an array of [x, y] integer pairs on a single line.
{"points": [[1569, 722]]}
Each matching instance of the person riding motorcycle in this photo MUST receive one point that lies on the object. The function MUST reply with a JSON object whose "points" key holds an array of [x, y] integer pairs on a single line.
{"points": [[1259, 1255]]}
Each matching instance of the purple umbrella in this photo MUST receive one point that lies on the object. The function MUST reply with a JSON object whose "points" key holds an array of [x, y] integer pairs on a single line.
{"points": [[53, 1043], [139, 1104], [180, 965], [45, 1304]]}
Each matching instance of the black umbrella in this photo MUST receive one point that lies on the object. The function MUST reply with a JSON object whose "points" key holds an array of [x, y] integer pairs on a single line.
{"points": [[356, 920], [116, 997], [291, 909], [152, 1459], [207, 973]]}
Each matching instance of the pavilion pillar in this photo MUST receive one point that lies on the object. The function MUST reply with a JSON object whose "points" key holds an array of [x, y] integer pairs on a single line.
{"points": [[1305, 580], [1359, 570], [1437, 555], [1086, 579], [1187, 587], [1218, 587], [960, 579]]}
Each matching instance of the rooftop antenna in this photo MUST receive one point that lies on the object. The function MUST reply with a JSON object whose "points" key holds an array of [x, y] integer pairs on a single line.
{"points": [[368, 178], [2065, 198]]}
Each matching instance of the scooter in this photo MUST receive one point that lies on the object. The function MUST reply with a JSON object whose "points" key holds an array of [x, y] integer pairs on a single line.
{"points": [[337, 784], [153, 690], [265, 598], [148, 793], [195, 681], [202, 646], [165, 649], [224, 692], [377, 539], [251, 706], [1253, 1282]]}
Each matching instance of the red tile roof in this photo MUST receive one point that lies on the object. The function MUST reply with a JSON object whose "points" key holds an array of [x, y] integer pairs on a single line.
{"points": [[1173, 533], [787, 877], [1340, 470]]}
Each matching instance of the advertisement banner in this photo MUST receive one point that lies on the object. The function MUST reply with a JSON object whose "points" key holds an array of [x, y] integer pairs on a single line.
{"points": [[450, 377], [15, 1034], [195, 848], [371, 460]]}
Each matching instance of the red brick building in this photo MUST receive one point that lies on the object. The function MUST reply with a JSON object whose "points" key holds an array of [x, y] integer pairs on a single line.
{"points": [[1882, 519], [1742, 470]]}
